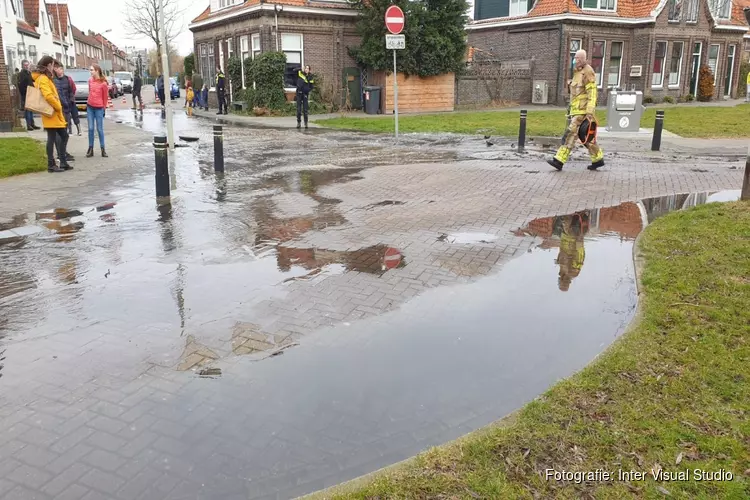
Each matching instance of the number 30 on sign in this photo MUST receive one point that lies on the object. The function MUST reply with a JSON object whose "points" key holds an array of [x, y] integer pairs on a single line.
{"points": [[395, 42]]}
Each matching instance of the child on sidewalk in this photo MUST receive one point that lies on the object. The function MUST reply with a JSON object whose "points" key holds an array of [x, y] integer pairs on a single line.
{"points": [[189, 97]]}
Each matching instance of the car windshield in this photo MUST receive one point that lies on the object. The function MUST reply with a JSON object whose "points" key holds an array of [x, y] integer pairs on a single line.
{"points": [[78, 75]]}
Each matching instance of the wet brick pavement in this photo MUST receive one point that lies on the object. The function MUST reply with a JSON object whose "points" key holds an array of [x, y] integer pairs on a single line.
{"points": [[88, 415]]}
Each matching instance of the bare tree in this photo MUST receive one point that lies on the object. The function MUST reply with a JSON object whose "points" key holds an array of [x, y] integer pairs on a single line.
{"points": [[142, 20]]}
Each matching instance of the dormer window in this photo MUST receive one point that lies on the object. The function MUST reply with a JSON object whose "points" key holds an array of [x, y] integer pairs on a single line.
{"points": [[721, 9], [223, 4], [610, 5]]}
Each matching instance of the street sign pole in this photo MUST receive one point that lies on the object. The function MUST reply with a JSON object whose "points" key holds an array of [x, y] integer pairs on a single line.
{"points": [[165, 76], [395, 91]]}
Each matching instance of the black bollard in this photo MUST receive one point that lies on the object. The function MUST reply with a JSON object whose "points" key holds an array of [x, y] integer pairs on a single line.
{"points": [[522, 131], [218, 148], [161, 156], [658, 126]]}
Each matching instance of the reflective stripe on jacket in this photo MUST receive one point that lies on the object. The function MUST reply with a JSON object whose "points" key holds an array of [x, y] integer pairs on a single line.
{"points": [[304, 82], [583, 92]]}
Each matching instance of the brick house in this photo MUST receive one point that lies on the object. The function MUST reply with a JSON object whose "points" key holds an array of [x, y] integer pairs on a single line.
{"points": [[6, 98], [657, 46], [88, 49], [317, 33]]}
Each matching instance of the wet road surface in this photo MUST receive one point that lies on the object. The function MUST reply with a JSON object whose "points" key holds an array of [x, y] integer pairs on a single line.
{"points": [[274, 332]]}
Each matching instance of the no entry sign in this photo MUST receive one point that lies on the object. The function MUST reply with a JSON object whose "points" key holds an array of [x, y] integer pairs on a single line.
{"points": [[391, 258], [394, 19]]}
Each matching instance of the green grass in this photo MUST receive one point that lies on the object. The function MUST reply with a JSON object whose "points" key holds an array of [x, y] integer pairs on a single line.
{"points": [[672, 393], [686, 121], [21, 155]]}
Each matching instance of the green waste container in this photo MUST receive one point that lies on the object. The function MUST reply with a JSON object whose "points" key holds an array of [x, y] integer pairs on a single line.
{"points": [[372, 100]]}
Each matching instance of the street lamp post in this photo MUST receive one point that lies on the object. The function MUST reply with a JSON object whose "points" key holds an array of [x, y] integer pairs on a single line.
{"points": [[165, 75], [103, 53]]}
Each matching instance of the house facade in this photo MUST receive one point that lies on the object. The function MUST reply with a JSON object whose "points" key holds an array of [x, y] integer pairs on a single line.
{"points": [[315, 33], [655, 46], [87, 48], [31, 31]]}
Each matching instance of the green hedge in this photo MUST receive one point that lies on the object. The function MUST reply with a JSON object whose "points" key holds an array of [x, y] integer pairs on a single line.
{"points": [[267, 71]]}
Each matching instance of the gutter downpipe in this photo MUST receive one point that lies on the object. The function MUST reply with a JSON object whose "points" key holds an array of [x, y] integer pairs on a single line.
{"points": [[560, 64]]}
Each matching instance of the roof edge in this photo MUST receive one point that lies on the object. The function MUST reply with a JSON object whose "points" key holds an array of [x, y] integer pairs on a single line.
{"points": [[331, 11], [502, 21]]}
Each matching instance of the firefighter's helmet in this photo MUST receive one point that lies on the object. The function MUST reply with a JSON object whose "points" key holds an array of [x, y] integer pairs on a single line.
{"points": [[587, 131]]}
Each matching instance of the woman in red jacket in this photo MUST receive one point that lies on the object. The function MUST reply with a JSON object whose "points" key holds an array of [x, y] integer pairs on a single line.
{"points": [[97, 103]]}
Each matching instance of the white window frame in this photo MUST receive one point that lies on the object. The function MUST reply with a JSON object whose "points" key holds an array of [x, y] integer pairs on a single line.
{"points": [[731, 69], [301, 51], [255, 49], [679, 68], [601, 5], [721, 9], [244, 54], [600, 76], [521, 8], [669, 11], [660, 85], [715, 69], [692, 9], [619, 68], [572, 53]]}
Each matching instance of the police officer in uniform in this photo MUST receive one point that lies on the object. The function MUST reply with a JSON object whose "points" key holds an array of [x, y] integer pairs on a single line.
{"points": [[582, 109], [221, 82], [305, 84]]}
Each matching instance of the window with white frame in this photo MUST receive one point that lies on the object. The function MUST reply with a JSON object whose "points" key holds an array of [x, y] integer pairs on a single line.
{"points": [[518, 8], [228, 3], [675, 10], [244, 54], [721, 9], [660, 53], [691, 13], [675, 64], [598, 49], [256, 45], [575, 46], [597, 4], [32, 52], [291, 46], [713, 59], [615, 64], [230, 49]]}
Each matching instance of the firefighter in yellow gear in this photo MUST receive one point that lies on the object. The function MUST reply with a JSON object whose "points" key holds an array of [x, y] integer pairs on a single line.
{"points": [[582, 108], [572, 254]]}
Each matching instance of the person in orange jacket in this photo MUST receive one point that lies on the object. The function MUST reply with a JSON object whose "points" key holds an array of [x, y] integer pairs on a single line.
{"points": [[55, 125]]}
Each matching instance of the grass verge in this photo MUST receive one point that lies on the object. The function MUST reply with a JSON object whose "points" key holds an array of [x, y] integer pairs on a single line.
{"points": [[686, 121], [673, 394], [21, 155]]}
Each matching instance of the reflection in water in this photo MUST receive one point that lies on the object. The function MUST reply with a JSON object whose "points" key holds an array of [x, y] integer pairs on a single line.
{"points": [[373, 260], [571, 229]]}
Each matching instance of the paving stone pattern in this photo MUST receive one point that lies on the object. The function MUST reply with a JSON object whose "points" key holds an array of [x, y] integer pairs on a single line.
{"points": [[79, 428]]}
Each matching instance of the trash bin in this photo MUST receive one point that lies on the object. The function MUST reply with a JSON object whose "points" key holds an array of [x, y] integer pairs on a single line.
{"points": [[372, 100], [624, 110]]}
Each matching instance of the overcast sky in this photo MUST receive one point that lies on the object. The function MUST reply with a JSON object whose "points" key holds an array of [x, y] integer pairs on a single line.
{"points": [[101, 15]]}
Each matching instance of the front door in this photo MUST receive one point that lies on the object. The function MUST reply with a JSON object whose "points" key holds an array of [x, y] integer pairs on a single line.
{"points": [[695, 67], [730, 71]]}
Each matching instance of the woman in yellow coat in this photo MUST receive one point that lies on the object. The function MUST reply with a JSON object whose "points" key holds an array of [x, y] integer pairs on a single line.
{"points": [[55, 125]]}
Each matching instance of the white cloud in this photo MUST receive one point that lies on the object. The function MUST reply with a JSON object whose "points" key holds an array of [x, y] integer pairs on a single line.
{"points": [[101, 15]]}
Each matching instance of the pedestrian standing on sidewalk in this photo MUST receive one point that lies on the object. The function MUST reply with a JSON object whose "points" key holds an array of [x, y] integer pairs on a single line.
{"points": [[137, 85], [188, 84], [189, 98], [204, 96], [160, 89], [55, 125], [305, 84], [24, 80], [66, 93], [96, 106], [221, 82], [74, 109]]}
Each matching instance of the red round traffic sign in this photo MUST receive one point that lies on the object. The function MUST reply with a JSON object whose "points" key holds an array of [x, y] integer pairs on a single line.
{"points": [[391, 258], [394, 19]]}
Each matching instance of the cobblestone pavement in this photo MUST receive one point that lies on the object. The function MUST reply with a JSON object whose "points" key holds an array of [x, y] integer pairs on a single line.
{"points": [[273, 334]]}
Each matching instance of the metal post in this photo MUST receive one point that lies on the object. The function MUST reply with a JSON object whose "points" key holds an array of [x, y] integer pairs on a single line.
{"points": [[745, 194], [218, 148], [165, 75], [161, 157], [395, 91], [522, 131], [658, 125]]}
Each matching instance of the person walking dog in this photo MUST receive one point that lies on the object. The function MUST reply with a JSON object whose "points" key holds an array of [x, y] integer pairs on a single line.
{"points": [[55, 125], [96, 106], [305, 84]]}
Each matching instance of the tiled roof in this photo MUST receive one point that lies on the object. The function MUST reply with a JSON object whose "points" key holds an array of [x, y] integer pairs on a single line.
{"points": [[31, 12], [26, 27], [207, 14], [83, 37], [61, 10]]}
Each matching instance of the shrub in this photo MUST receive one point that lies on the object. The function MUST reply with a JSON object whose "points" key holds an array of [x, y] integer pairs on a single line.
{"points": [[669, 99], [689, 98], [234, 70], [323, 97], [648, 99], [267, 72], [189, 64], [705, 84], [744, 70]]}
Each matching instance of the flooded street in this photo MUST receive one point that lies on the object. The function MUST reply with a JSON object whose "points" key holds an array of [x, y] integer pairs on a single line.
{"points": [[331, 304]]}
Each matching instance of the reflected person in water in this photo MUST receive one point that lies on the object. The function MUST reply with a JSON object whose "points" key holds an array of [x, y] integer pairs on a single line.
{"points": [[571, 229]]}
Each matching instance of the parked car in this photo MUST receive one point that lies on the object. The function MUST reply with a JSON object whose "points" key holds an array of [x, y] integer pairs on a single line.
{"points": [[81, 79], [126, 79], [174, 88], [112, 87], [118, 83]]}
